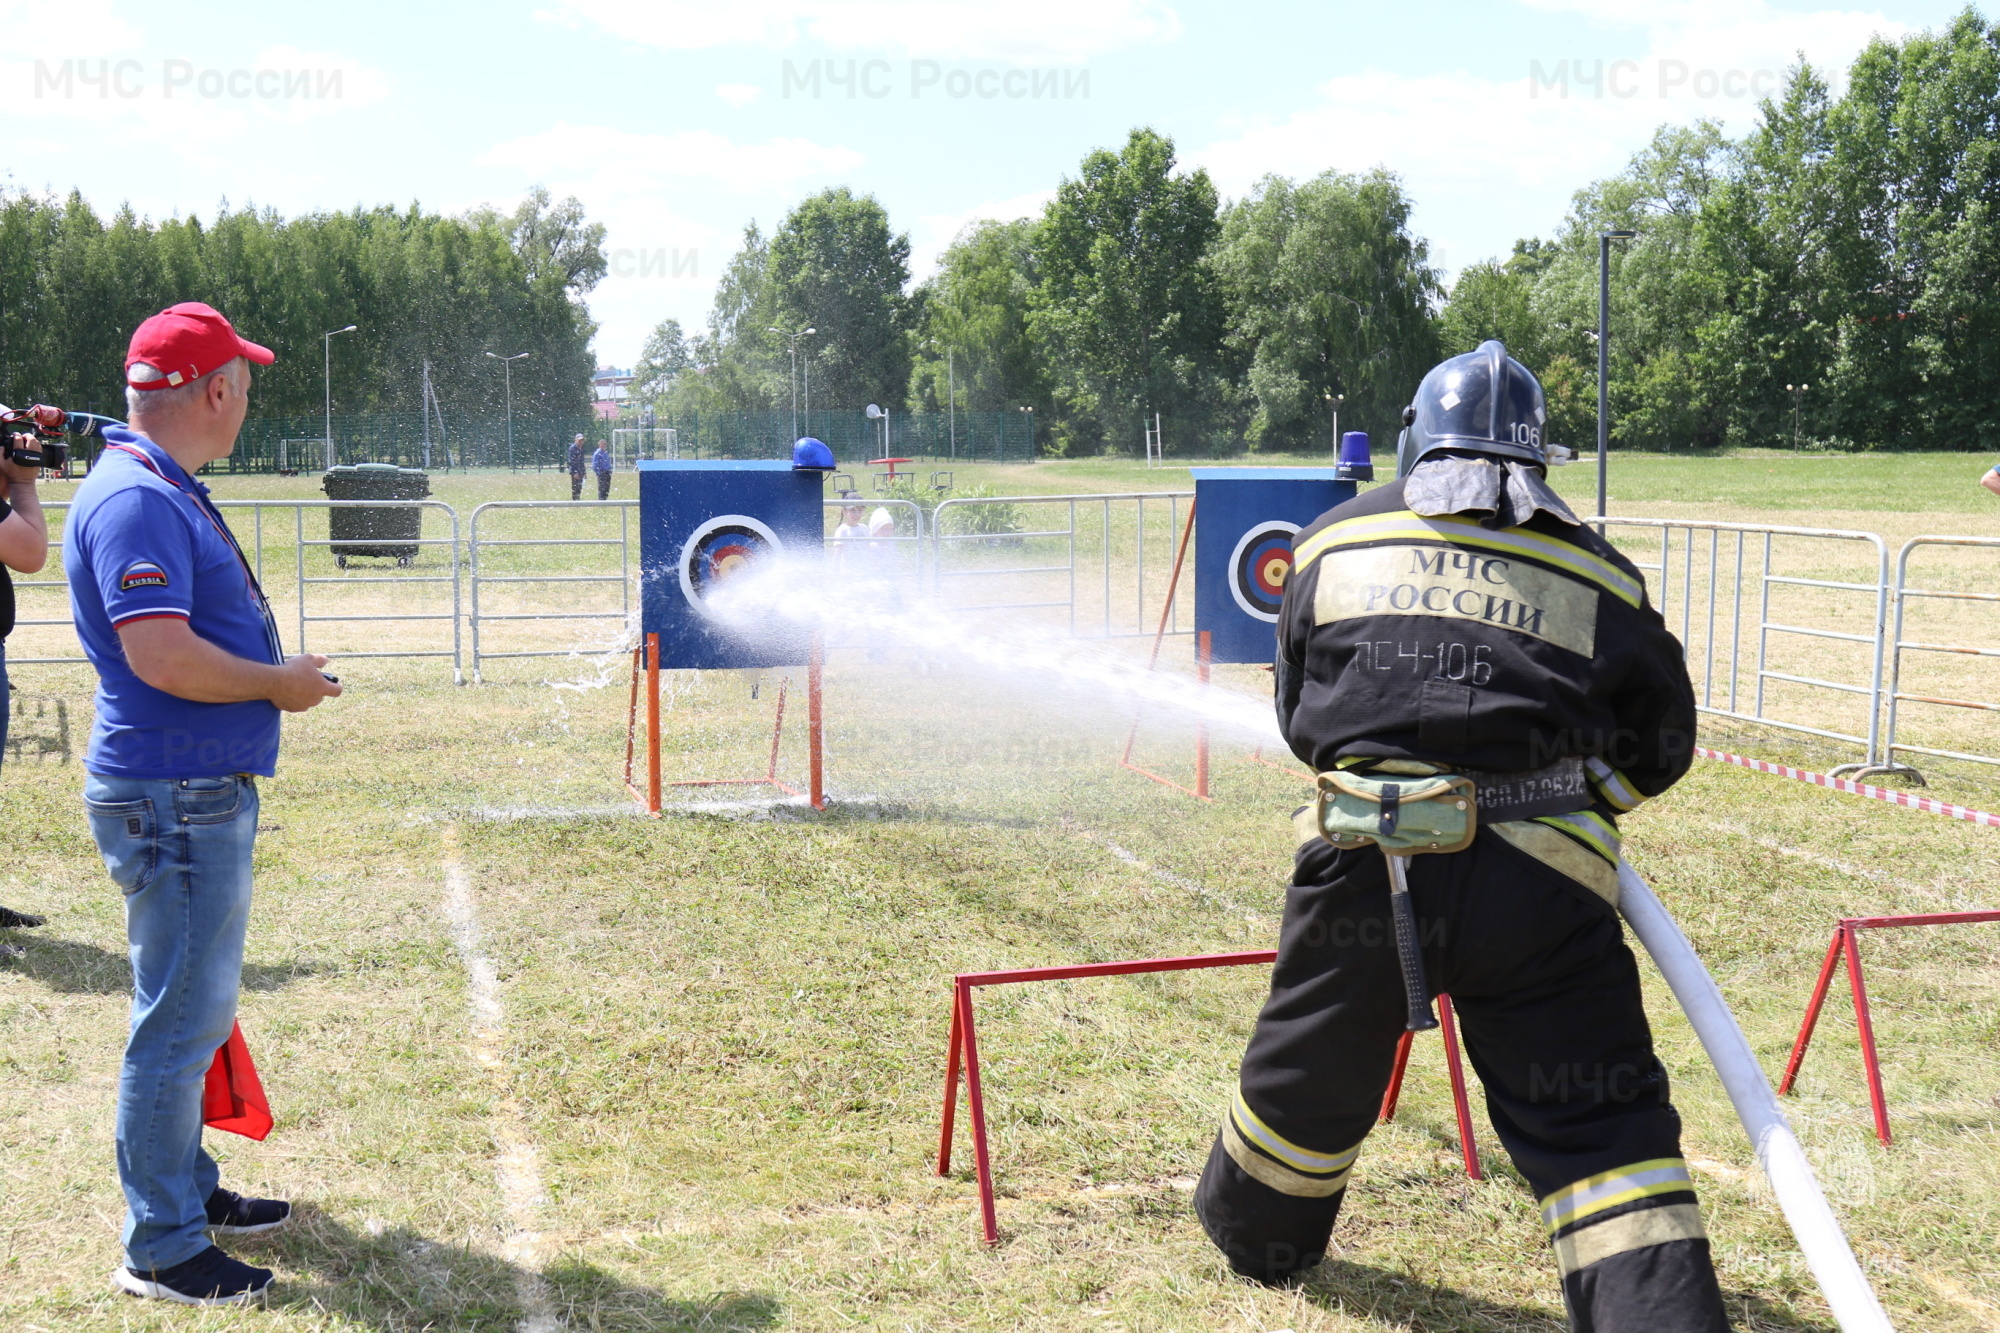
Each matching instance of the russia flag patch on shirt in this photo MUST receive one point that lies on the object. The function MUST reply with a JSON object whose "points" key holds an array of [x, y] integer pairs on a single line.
{"points": [[144, 574]]}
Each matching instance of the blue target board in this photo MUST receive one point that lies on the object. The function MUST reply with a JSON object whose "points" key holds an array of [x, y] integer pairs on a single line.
{"points": [[1244, 522], [702, 523]]}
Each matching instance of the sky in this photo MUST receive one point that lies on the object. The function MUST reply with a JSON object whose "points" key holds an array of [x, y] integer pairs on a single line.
{"points": [[678, 123]]}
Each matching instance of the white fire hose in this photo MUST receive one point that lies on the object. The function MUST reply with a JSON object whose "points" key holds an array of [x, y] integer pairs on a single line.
{"points": [[1784, 1161]]}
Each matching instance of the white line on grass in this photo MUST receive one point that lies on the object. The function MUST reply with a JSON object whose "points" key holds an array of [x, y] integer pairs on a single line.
{"points": [[517, 1170], [1164, 876]]}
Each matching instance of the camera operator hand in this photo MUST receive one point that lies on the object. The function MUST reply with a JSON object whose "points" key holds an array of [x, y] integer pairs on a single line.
{"points": [[12, 472], [302, 684]]}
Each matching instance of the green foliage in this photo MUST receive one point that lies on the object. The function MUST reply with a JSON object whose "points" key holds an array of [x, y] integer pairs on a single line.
{"points": [[1846, 243], [667, 353], [974, 337], [836, 267], [981, 519], [422, 287], [1492, 300], [1328, 293], [985, 518], [1126, 303]]}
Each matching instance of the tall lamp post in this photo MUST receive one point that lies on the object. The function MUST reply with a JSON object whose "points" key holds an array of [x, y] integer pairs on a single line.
{"points": [[1798, 392], [1031, 436], [326, 346], [1604, 240], [507, 376], [1334, 400], [951, 390], [792, 342]]}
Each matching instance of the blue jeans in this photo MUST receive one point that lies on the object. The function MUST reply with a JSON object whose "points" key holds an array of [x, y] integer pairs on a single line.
{"points": [[180, 849]]}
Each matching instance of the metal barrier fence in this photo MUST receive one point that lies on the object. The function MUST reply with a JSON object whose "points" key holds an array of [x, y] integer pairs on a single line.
{"points": [[987, 526], [1747, 601], [481, 579], [1719, 576], [303, 610], [1897, 695], [301, 544]]}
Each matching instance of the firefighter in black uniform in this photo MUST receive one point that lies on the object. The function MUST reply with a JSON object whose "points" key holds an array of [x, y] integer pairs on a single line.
{"points": [[1462, 621]]}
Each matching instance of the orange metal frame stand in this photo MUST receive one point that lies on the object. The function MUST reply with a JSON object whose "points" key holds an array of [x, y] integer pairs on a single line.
{"points": [[646, 666]]}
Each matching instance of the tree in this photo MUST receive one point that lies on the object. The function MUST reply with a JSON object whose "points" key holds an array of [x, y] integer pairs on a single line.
{"points": [[1665, 292], [835, 266], [736, 368], [1126, 302], [974, 329], [1495, 299], [666, 355], [422, 288], [1329, 293]]}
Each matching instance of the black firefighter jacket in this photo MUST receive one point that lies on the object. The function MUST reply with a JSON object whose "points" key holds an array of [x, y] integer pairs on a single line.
{"points": [[1439, 639]]}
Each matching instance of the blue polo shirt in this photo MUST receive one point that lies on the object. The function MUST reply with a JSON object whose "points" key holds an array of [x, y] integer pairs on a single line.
{"points": [[143, 541]]}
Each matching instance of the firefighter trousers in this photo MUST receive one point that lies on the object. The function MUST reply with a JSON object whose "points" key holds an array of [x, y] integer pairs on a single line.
{"points": [[1547, 994]]}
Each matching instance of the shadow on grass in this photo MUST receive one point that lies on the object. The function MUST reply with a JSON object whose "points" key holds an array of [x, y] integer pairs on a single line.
{"points": [[397, 1281], [72, 967], [1399, 1301]]}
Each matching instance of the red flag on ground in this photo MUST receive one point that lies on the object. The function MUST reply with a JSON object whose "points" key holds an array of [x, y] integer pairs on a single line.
{"points": [[232, 1100]]}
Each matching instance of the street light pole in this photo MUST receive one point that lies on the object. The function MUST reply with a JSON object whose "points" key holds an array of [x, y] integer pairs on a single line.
{"points": [[507, 377], [326, 346], [1604, 240], [792, 343], [1334, 400], [1798, 392]]}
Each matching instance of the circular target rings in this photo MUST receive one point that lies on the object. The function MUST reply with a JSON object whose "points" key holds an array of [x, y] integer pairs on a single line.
{"points": [[1259, 566], [720, 548]]}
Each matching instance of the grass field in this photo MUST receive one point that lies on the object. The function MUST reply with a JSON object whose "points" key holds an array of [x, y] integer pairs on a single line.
{"points": [[539, 1063]]}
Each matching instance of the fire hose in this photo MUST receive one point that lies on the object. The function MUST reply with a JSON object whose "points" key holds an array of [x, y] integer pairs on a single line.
{"points": [[1805, 1207]]}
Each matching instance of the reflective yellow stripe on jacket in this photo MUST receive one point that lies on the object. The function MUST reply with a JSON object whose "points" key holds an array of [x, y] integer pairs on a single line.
{"points": [[1403, 525]]}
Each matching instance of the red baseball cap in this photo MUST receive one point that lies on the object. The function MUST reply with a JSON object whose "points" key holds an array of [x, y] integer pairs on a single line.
{"points": [[185, 342]]}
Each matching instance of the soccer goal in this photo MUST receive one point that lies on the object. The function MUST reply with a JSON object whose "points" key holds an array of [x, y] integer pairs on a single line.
{"points": [[629, 444], [294, 455]]}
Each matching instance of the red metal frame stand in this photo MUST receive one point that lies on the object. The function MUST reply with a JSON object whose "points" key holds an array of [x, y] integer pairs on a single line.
{"points": [[963, 1053], [1200, 788], [1847, 942], [965, 1045], [1468, 1148], [648, 654]]}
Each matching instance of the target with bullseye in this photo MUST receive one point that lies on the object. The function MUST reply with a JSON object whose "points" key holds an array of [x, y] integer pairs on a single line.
{"points": [[1259, 566], [720, 549]]}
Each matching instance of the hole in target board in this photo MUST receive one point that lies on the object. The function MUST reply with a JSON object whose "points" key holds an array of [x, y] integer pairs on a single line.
{"points": [[720, 549], [1259, 566]]}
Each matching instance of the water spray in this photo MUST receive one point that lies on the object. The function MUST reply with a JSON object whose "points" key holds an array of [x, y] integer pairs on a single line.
{"points": [[806, 595]]}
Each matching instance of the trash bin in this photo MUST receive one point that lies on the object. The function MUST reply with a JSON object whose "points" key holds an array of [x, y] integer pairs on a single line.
{"points": [[387, 534]]}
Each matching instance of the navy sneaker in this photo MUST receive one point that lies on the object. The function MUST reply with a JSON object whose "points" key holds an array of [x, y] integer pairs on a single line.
{"points": [[13, 920], [210, 1278], [230, 1214]]}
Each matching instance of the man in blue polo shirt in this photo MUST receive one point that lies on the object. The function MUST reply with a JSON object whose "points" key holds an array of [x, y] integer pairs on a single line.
{"points": [[191, 682]]}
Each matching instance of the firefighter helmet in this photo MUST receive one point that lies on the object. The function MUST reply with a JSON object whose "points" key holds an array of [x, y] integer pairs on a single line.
{"points": [[1483, 402]]}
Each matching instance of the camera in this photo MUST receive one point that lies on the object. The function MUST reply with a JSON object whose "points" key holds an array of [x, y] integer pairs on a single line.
{"points": [[46, 425]]}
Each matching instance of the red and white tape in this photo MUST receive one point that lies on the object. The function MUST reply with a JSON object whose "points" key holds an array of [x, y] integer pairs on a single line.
{"points": [[1889, 794]]}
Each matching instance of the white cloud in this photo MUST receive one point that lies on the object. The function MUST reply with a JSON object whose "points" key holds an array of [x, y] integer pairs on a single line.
{"points": [[663, 260], [51, 33], [1025, 32], [688, 155], [738, 94], [203, 112], [1490, 160]]}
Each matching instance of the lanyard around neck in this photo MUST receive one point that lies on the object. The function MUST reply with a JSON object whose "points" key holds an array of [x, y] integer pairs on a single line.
{"points": [[214, 517]]}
